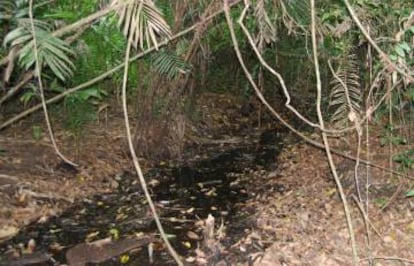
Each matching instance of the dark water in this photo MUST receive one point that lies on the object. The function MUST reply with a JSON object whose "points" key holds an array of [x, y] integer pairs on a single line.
{"points": [[183, 195]]}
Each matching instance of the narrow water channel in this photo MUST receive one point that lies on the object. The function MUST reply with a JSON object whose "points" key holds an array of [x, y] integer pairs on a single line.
{"points": [[184, 195]]}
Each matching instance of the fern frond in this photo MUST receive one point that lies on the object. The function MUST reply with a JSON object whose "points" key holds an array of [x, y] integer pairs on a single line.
{"points": [[345, 99]]}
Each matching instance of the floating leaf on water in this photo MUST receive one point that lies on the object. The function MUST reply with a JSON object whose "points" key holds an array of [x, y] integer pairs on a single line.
{"points": [[192, 235], [114, 233], [56, 247], [121, 217], [154, 182], [124, 259], [170, 236], [186, 244], [139, 234], [91, 236], [211, 193], [190, 259]]}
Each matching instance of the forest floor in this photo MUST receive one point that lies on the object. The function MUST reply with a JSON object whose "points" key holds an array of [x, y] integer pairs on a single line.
{"points": [[295, 215]]}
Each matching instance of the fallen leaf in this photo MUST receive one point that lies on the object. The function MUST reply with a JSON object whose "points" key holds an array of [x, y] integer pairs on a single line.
{"points": [[7, 232]]}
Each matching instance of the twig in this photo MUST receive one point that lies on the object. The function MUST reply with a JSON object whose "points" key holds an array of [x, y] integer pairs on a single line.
{"points": [[46, 196], [135, 159], [389, 258], [367, 221], [42, 95], [325, 138]]}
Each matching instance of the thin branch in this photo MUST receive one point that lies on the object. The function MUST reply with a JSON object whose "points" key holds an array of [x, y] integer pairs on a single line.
{"points": [[389, 258], [325, 138], [42, 95], [135, 158]]}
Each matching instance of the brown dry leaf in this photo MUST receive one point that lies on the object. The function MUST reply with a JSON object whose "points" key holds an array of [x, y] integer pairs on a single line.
{"points": [[192, 235], [7, 232]]}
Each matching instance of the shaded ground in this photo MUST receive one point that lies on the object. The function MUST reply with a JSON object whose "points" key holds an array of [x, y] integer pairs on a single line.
{"points": [[293, 215]]}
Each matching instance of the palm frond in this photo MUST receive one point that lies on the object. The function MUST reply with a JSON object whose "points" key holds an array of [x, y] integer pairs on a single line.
{"points": [[11, 9], [299, 11], [169, 64], [294, 14], [53, 52], [267, 30], [345, 100], [142, 22]]}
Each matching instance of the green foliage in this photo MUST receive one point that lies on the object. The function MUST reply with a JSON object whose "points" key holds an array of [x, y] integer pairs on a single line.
{"points": [[68, 11], [36, 132], [410, 193], [380, 201], [169, 64], [101, 49], [12, 9], [29, 95], [389, 135], [52, 52], [406, 159], [80, 110]]}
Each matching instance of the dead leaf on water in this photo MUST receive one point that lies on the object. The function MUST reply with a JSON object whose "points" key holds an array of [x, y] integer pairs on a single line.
{"points": [[186, 244], [192, 235]]}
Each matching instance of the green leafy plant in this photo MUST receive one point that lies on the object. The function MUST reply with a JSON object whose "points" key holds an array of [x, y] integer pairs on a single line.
{"points": [[169, 64], [406, 159], [380, 201], [390, 136], [52, 52], [81, 109]]}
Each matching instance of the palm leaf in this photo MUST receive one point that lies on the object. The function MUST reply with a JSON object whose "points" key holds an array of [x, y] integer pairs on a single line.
{"points": [[52, 51], [11, 9], [169, 64], [142, 22], [345, 100], [267, 31]]}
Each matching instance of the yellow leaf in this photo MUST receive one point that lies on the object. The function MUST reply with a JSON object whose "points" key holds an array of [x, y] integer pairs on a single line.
{"points": [[114, 233], [410, 227], [331, 192], [124, 259], [186, 244]]}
